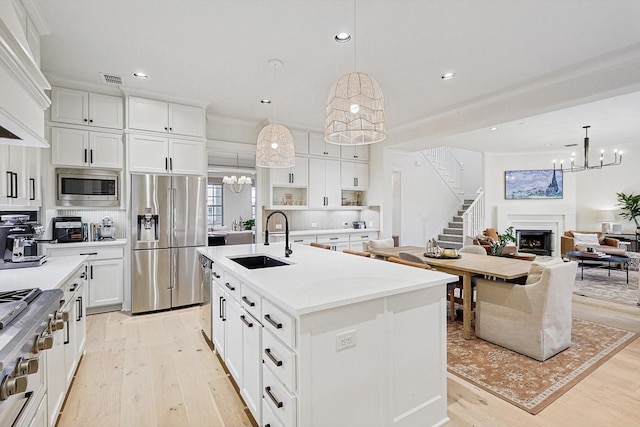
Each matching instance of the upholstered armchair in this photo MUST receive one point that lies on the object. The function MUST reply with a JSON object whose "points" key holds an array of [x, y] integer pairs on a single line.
{"points": [[581, 240], [532, 319]]}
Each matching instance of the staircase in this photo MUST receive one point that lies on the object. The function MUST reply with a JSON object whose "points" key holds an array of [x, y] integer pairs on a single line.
{"points": [[452, 236]]}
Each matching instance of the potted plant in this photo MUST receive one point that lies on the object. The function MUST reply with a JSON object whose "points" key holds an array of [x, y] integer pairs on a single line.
{"points": [[630, 205], [249, 224], [503, 239]]}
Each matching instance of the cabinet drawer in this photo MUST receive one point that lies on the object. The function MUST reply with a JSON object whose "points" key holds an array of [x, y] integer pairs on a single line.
{"points": [[278, 399], [364, 237], [251, 301], [277, 357], [92, 252], [304, 240], [333, 238], [231, 284], [269, 419], [279, 323], [216, 273]]}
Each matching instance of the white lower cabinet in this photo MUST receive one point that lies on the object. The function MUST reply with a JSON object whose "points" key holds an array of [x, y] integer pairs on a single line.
{"points": [[105, 273], [40, 417], [237, 338], [338, 242], [68, 343]]}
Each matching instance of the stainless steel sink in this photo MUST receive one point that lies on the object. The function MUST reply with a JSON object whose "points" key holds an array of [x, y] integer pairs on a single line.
{"points": [[258, 261]]}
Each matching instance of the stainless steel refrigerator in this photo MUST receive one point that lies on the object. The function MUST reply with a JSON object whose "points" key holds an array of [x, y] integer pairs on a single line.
{"points": [[168, 223]]}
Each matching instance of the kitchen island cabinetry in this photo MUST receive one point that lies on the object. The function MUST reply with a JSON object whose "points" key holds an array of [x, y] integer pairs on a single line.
{"points": [[322, 334], [86, 108], [105, 272]]}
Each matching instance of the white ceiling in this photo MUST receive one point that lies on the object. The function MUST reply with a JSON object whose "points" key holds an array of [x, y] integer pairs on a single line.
{"points": [[513, 59]]}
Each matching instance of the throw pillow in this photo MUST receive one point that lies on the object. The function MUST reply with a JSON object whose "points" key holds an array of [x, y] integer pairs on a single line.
{"points": [[536, 268], [381, 244], [585, 239]]}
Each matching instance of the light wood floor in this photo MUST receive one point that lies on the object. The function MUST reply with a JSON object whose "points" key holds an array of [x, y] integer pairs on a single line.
{"points": [[156, 370]]}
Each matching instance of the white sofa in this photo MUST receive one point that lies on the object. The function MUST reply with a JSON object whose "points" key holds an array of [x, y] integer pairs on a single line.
{"points": [[532, 319]]}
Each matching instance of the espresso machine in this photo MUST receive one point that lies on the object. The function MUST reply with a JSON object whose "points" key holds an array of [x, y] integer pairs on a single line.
{"points": [[18, 242]]}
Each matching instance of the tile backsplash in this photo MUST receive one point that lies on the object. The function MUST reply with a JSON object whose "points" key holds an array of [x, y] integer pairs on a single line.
{"points": [[324, 220]]}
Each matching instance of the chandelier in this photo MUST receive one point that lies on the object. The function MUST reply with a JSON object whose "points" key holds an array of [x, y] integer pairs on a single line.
{"points": [[617, 158], [355, 107], [236, 184], [275, 147]]}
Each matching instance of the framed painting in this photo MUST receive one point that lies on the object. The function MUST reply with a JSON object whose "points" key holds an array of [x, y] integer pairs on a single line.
{"points": [[533, 184]]}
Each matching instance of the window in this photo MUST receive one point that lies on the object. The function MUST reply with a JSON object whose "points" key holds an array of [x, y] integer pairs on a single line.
{"points": [[214, 205], [253, 200]]}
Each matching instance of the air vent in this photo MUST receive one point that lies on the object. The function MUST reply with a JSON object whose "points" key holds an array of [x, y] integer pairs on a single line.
{"points": [[112, 79]]}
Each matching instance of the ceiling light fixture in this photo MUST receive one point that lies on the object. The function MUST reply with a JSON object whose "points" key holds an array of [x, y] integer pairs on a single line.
{"points": [[617, 158], [234, 183], [493, 128], [265, 101], [139, 75], [275, 147], [355, 107], [342, 38], [447, 76]]}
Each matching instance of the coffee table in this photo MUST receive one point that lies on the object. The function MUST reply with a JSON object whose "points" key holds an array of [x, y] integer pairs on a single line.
{"points": [[588, 256]]}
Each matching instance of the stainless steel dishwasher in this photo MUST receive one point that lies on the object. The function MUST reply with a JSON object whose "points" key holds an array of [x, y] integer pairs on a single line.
{"points": [[205, 307]]}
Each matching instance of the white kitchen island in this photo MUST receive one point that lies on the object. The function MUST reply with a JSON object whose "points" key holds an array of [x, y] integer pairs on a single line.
{"points": [[331, 339]]}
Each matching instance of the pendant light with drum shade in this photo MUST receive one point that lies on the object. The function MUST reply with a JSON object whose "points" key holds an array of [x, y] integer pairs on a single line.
{"points": [[355, 106], [275, 147]]}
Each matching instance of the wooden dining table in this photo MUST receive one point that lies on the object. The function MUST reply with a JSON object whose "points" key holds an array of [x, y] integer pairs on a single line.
{"points": [[467, 266]]}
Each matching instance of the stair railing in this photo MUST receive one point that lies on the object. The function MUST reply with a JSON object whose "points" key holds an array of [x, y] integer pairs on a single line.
{"points": [[449, 168], [473, 218]]}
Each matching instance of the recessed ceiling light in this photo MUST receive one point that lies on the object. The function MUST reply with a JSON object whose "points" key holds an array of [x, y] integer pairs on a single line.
{"points": [[342, 37], [493, 128], [140, 75], [265, 101], [448, 76]]}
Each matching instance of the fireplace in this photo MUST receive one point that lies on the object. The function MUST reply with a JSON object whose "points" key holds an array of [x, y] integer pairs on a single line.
{"points": [[534, 241]]}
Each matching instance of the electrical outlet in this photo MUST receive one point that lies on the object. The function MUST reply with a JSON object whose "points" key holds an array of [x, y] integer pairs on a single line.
{"points": [[278, 226], [346, 340], [314, 224]]}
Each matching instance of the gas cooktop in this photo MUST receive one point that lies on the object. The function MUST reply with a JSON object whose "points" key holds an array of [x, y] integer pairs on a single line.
{"points": [[12, 303]]}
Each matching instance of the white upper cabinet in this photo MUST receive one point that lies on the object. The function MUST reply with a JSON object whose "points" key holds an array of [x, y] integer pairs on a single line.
{"points": [[291, 177], [319, 147], [86, 108], [300, 141], [76, 147], [159, 116], [324, 183], [159, 154], [354, 176], [354, 152]]}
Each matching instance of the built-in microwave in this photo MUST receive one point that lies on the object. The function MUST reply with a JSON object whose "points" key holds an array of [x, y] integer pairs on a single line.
{"points": [[86, 187]]}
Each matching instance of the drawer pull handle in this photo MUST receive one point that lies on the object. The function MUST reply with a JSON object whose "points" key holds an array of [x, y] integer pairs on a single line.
{"points": [[90, 253], [245, 321], [216, 275], [275, 324], [333, 238], [272, 397], [228, 285], [251, 304], [275, 361]]}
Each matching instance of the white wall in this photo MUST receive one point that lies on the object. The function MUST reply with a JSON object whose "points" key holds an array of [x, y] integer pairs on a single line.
{"points": [[427, 202], [235, 205], [471, 171]]}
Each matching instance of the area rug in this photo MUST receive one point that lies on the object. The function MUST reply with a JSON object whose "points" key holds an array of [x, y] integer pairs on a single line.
{"points": [[599, 285], [525, 382]]}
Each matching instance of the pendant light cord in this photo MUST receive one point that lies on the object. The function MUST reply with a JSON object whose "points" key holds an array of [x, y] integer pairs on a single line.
{"points": [[355, 39]]}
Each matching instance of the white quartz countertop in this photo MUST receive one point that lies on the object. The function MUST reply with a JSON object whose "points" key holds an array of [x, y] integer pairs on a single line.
{"points": [[318, 279], [314, 232], [116, 242], [50, 275]]}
